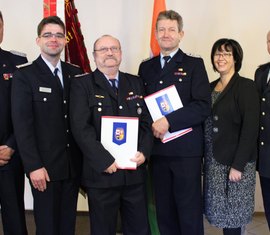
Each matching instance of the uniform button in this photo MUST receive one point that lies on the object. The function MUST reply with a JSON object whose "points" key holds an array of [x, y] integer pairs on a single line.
{"points": [[145, 83], [161, 82], [215, 130], [263, 99], [120, 107], [65, 101], [99, 103], [180, 80], [262, 128], [67, 130], [65, 116], [215, 117], [262, 143], [44, 99], [99, 109], [67, 145], [138, 104], [263, 113]]}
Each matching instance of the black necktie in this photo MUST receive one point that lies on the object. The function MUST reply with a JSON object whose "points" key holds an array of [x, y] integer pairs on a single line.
{"points": [[113, 84], [58, 79], [166, 60]]}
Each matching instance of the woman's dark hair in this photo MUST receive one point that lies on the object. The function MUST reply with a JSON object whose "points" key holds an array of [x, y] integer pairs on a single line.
{"points": [[229, 45]]}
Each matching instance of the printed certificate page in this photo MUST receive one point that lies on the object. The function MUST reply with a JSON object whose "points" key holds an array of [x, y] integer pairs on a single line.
{"points": [[119, 135], [164, 102]]}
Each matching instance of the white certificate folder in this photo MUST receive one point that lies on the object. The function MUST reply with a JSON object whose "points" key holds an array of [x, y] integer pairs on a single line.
{"points": [[119, 135], [162, 103]]}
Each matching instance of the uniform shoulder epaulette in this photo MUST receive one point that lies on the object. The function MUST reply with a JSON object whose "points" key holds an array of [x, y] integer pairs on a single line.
{"points": [[80, 75], [23, 65], [75, 65], [149, 58], [18, 53], [264, 65], [132, 75], [193, 55]]}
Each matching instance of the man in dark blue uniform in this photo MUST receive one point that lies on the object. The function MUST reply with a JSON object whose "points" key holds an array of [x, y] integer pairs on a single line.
{"points": [[262, 80], [11, 170], [177, 164], [40, 113], [109, 188]]}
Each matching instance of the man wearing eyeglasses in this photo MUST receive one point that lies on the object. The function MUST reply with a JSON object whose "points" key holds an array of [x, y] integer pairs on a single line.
{"points": [[40, 109], [110, 92], [11, 170]]}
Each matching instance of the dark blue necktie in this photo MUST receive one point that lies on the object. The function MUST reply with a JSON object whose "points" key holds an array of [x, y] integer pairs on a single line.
{"points": [[58, 79], [113, 84], [166, 60]]}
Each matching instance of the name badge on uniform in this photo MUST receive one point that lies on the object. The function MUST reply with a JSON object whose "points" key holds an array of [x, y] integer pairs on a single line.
{"points": [[45, 89]]}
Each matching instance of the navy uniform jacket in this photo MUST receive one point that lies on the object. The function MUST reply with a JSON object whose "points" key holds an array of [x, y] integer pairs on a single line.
{"points": [[8, 62], [189, 76], [91, 98], [264, 135], [40, 112]]}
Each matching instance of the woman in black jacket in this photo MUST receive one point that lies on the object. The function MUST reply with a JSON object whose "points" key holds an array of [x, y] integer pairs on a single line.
{"points": [[231, 137]]}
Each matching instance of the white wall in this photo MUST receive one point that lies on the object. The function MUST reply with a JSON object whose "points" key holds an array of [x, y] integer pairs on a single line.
{"points": [[205, 21]]}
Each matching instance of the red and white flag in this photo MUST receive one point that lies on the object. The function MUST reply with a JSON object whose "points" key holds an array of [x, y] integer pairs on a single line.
{"points": [[50, 8]]}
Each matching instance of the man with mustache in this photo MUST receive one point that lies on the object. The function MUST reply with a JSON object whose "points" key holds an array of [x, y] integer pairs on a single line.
{"points": [[109, 188]]}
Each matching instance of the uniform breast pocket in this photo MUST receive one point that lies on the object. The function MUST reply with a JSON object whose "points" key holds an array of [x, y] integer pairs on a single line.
{"points": [[44, 103], [183, 86], [99, 106], [43, 97], [150, 87]]}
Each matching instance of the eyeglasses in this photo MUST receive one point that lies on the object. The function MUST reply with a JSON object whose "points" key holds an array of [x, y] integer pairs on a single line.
{"points": [[106, 49], [51, 35], [224, 55]]}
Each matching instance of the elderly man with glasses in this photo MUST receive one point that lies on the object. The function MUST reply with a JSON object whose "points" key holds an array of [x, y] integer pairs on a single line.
{"points": [[111, 187]]}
